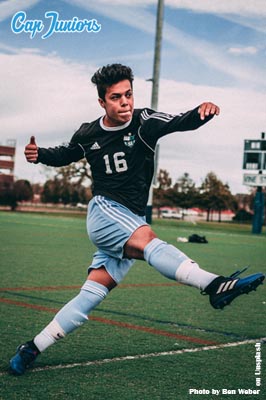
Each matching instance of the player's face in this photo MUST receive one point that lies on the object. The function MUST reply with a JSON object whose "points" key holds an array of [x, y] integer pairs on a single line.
{"points": [[118, 103]]}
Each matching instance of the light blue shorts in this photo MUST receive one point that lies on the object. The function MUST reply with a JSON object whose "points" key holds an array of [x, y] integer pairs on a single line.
{"points": [[109, 226]]}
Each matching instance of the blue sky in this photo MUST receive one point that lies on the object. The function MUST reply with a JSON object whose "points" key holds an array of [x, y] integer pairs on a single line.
{"points": [[212, 50]]}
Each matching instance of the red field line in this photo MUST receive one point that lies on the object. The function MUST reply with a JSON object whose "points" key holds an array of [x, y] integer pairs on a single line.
{"points": [[153, 331], [115, 323], [27, 305], [38, 288], [47, 288], [133, 285]]}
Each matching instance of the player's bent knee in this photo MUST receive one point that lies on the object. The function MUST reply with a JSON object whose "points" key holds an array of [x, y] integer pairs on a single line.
{"points": [[100, 275], [134, 247]]}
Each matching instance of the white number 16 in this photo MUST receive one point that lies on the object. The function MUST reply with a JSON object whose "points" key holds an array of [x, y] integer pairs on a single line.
{"points": [[120, 163]]}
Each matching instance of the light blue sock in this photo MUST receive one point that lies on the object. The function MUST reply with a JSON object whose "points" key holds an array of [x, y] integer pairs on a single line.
{"points": [[72, 315], [174, 264], [164, 257], [75, 313]]}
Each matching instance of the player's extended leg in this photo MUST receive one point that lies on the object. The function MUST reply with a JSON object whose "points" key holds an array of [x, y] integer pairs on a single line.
{"points": [[109, 227], [70, 317], [167, 259], [174, 264], [75, 312]]}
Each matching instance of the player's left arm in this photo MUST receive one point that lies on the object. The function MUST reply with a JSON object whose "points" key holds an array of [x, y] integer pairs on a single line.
{"points": [[190, 120], [158, 124]]}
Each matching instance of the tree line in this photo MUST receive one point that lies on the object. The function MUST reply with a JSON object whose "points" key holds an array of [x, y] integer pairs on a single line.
{"points": [[72, 185], [211, 195]]}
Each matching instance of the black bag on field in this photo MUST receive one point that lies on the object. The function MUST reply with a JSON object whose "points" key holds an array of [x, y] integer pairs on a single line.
{"points": [[197, 239]]}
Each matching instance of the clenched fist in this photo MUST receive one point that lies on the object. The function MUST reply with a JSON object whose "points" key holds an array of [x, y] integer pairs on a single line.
{"points": [[207, 109], [31, 151]]}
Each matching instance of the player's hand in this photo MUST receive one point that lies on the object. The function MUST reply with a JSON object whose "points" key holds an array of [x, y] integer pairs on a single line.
{"points": [[207, 109], [31, 151]]}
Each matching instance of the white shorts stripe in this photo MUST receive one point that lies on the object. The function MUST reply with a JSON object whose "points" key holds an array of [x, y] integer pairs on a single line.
{"points": [[116, 215], [109, 226], [126, 217]]}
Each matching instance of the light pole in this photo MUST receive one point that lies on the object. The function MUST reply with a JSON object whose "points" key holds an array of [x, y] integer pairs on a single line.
{"points": [[155, 92]]}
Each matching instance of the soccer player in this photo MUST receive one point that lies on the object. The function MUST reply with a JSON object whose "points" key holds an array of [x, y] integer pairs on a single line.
{"points": [[119, 146]]}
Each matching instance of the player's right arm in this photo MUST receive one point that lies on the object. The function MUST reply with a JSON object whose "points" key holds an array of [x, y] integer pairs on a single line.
{"points": [[56, 156]]}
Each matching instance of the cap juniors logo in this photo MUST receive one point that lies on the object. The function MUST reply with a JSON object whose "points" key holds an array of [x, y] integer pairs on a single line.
{"points": [[20, 23], [129, 140]]}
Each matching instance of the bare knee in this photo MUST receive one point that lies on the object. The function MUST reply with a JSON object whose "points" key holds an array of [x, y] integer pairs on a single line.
{"points": [[134, 247], [100, 275]]}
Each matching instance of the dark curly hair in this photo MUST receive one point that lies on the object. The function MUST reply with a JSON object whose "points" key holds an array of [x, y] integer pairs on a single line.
{"points": [[109, 75]]}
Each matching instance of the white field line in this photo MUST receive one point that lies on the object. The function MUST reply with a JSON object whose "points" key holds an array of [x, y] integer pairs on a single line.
{"points": [[148, 355]]}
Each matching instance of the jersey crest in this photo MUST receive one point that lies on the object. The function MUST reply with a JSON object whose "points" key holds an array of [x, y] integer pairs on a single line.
{"points": [[129, 140]]}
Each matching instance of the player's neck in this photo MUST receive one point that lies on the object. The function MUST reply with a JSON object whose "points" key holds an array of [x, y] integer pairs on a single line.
{"points": [[113, 127]]}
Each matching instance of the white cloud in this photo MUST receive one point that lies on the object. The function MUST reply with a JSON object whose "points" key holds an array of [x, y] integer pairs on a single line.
{"points": [[239, 7], [210, 54], [238, 51], [250, 14], [246, 13], [42, 95], [45, 95], [44, 84], [215, 58], [49, 97], [129, 3], [217, 146], [9, 7], [128, 12]]}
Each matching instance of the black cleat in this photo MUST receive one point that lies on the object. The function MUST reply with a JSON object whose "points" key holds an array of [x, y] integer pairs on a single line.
{"points": [[223, 291], [23, 358]]}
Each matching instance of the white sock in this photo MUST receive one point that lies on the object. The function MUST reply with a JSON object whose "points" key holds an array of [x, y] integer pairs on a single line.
{"points": [[72, 315], [49, 335], [189, 273]]}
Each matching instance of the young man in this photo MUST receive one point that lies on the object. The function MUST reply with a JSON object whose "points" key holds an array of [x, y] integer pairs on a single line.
{"points": [[120, 150]]}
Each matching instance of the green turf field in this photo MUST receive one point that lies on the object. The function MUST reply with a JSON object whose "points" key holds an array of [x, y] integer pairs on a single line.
{"points": [[151, 338]]}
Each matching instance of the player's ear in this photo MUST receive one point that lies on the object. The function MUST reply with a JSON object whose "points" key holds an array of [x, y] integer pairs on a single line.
{"points": [[101, 102]]}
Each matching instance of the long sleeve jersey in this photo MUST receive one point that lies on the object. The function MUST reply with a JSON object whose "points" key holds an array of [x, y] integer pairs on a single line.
{"points": [[121, 158]]}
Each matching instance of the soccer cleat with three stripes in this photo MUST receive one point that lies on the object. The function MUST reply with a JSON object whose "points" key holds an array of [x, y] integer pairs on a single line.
{"points": [[23, 358], [223, 291]]}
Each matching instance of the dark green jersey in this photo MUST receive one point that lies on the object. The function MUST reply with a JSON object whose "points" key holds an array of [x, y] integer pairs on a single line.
{"points": [[122, 158]]}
